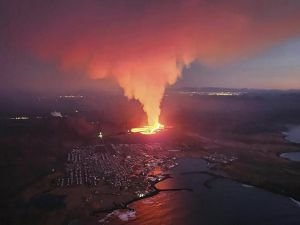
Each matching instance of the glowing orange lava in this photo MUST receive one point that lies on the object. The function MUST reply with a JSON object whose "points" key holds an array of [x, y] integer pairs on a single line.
{"points": [[148, 130]]}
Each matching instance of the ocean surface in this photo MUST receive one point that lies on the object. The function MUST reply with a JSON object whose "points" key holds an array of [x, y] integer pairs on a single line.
{"points": [[212, 201], [293, 156], [292, 135]]}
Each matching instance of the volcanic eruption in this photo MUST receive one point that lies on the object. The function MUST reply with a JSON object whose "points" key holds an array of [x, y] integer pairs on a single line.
{"points": [[145, 45]]}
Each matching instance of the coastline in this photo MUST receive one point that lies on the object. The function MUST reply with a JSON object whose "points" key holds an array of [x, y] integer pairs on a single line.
{"points": [[124, 205], [218, 174], [286, 134], [207, 183]]}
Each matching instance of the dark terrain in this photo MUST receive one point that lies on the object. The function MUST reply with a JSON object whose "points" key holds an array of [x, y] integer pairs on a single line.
{"points": [[248, 126]]}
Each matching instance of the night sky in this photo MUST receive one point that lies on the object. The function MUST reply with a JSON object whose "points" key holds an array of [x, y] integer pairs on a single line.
{"points": [[69, 45]]}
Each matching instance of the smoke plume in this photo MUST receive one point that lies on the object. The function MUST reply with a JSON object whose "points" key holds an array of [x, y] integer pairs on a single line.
{"points": [[145, 45]]}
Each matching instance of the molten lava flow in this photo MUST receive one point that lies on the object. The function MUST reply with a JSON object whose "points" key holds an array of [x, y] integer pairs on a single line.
{"points": [[148, 129]]}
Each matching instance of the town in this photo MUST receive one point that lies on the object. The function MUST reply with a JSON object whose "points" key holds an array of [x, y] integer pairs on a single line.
{"points": [[120, 165]]}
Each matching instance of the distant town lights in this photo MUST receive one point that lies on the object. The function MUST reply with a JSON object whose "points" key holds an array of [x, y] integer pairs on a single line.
{"points": [[71, 96], [140, 195], [20, 118]]}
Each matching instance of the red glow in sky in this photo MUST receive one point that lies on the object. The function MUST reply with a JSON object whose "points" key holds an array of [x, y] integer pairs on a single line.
{"points": [[144, 45]]}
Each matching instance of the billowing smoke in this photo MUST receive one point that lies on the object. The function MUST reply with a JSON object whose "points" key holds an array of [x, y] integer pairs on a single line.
{"points": [[145, 44]]}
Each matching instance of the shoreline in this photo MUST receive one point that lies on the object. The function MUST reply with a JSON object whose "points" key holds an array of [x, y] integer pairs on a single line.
{"points": [[207, 183], [124, 205], [286, 132], [284, 135], [213, 177]]}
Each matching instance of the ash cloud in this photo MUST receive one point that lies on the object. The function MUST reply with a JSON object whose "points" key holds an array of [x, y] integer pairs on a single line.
{"points": [[144, 45]]}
